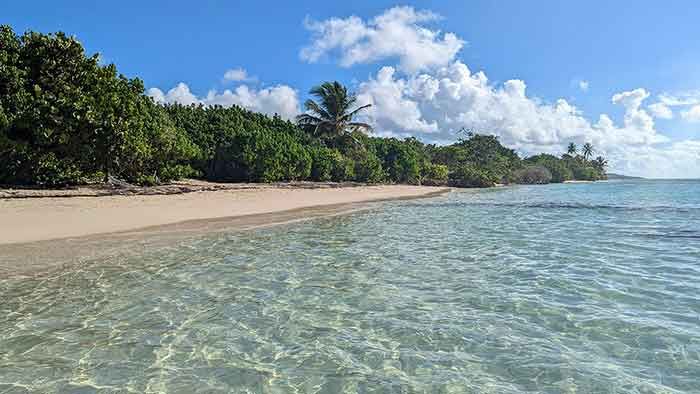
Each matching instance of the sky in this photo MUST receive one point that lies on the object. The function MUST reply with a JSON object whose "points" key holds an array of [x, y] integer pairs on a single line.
{"points": [[621, 75]]}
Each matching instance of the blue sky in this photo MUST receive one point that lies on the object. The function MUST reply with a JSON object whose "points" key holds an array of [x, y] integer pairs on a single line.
{"points": [[551, 46]]}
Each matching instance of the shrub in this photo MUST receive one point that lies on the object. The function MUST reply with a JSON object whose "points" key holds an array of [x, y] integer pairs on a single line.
{"points": [[468, 175], [321, 163], [343, 169], [435, 172], [532, 175], [557, 167], [399, 159], [368, 168], [586, 173]]}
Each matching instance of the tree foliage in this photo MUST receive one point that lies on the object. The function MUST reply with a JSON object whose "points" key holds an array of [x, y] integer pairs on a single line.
{"points": [[532, 175], [331, 118], [67, 119]]}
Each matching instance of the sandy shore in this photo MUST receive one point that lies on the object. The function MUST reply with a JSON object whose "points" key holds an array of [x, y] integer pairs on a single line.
{"points": [[39, 219]]}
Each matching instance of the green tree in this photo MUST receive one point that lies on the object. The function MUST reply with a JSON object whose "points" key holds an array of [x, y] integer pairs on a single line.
{"points": [[571, 149], [67, 119], [557, 167], [331, 117], [468, 175]]}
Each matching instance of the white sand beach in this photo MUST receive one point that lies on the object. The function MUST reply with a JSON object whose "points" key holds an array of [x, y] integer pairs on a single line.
{"points": [[24, 220]]}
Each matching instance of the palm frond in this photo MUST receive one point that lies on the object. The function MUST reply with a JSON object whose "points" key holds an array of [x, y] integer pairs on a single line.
{"points": [[307, 119], [359, 126], [313, 106], [350, 115]]}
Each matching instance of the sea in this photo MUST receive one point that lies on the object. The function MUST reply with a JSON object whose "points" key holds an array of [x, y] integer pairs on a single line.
{"points": [[566, 288]]}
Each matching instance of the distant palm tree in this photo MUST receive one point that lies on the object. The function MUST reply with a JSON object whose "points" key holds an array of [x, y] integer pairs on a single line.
{"points": [[331, 117], [600, 163], [571, 149], [587, 150]]}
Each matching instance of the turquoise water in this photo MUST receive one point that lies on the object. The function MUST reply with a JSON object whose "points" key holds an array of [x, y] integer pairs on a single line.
{"points": [[579, 288]]}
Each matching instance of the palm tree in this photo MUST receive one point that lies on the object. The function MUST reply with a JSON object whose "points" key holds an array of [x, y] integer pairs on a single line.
{"points": [[587, 150], [571, 149], [600, 163], [331, 117]]}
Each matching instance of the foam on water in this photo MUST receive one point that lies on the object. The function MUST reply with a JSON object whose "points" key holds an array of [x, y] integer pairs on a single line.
{"points": [[497, 291]]}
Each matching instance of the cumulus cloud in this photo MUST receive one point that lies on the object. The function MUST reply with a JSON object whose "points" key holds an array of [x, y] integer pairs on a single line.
{"points": [[434, 106], [281, 99], [179, 94], [237, 75], [692, 114], [455, 97], [397, 33], [687, 103], [679, 159], [681, 99], [661, 111]]}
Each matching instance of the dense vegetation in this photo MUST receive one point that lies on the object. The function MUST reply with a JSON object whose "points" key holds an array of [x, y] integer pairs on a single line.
{"points": [[66, 119]]}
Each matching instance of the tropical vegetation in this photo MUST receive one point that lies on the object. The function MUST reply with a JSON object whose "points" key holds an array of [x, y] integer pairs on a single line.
{"points": [[67, 119]]}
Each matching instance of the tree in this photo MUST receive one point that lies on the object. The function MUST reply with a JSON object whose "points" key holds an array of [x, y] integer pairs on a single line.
{"points": [[331, 117], [572, 149], [587, 150], [66, 119], [600, 164], [557, 167], [532, 175]]}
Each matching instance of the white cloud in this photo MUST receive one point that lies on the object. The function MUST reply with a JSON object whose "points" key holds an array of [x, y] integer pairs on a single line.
{"points": [[454, 97], [681, 99], [388, 104], [680, 159], [688, 104], [179, 94], [583, 85], [280, 99], [436, 105], [237, 75], [692, 114], [397, 33], [661, 111]]}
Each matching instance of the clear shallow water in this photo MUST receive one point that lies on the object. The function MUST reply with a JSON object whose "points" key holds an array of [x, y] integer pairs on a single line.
{"points": [[586, 288]]}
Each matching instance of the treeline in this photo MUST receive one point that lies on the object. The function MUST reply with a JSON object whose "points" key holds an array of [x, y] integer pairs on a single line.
{"points": [[66, 119]]}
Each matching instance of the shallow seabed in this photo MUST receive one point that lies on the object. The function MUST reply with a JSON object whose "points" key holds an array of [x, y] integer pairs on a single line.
{"points": [[585, 288]]}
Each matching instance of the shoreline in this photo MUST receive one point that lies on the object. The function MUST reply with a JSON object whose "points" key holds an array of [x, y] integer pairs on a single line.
{"points": [[40, 234]]}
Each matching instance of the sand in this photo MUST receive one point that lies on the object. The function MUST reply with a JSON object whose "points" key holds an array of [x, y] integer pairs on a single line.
{"points": [[29, 220]]}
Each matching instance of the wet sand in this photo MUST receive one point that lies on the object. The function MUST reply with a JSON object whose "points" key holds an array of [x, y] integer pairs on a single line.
{"points": [[40, 233]]}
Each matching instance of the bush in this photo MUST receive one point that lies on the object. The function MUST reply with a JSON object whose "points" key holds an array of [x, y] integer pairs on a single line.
{"points": [[434, 172], [557, 167], [343, 169], [468, 175], [274, 157], [399, 159], [532, 175], [321, 164], [368, 168], [586, 173]]}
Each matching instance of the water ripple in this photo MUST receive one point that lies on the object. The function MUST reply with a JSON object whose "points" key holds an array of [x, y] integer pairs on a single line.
{"points": [[475, 292]]}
